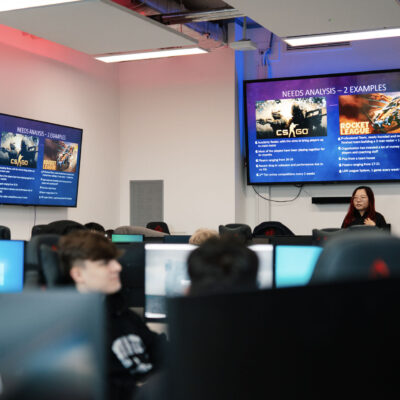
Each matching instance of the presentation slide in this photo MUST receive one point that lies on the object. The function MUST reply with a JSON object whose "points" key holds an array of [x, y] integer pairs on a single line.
{"points": [[39, 162], [333, 128]]}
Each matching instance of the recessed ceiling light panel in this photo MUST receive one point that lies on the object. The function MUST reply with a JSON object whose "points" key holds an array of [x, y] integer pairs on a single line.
{"points": [[342, 37], [111, 58]]}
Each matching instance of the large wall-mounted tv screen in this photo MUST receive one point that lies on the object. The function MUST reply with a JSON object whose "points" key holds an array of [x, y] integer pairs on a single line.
{"points": [[39, 162], [331, 128]]}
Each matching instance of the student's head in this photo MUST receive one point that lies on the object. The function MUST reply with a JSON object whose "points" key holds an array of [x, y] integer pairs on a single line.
{"points": [[222, 264], [90, 259], [94, 226], [201, 235]]}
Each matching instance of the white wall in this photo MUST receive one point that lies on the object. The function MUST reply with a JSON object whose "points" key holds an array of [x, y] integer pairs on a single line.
{"points": [[172, 119], [301, 215], [45, 81], [178, 125]]}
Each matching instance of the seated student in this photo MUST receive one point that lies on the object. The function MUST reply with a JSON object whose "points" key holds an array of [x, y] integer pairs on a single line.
{"points": [[201, 235], [362, 209], [222, 264], [135, 351], [218, 265]]}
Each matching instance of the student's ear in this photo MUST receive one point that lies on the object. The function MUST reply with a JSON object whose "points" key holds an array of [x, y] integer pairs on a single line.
{"points": [[76, 274]]}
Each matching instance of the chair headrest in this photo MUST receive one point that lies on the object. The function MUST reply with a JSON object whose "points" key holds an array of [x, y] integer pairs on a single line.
{"points": [[241, 231], [355, 256], [138, 230]]}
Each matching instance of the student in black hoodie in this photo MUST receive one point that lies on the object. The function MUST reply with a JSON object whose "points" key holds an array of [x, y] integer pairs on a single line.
{"points": [[134, 350]]}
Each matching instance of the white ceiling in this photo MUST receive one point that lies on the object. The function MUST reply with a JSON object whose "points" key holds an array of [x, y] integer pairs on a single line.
{"points": [[95, 27], [101, 26], [307, 17]]}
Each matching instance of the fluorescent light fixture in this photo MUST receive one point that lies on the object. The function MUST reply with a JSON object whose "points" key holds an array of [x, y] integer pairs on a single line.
{"points": [[110, 58], [8, 5], [342, 37]]}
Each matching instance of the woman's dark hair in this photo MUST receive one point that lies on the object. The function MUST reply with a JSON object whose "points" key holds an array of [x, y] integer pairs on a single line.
{"points": [[369, 212]]}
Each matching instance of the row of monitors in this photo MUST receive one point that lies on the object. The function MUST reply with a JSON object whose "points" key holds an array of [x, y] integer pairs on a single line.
{"points": [[302, 239], [125, 238], [166, 269]]}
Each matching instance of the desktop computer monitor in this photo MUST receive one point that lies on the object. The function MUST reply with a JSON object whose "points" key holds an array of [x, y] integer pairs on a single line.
{"points": [[132, 275], [165, 275], [51, 346], [11, 265], [311, 342], [265, 254], [176, 238], [126, 238], [294, 265]]}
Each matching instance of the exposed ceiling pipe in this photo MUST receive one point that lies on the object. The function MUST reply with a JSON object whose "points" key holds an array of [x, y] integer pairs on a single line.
{"points": [[209, 34], [198, 16]]}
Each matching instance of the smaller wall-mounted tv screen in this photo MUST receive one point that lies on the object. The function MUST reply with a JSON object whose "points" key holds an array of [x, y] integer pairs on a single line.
{"points": [[39, 162], [328, 128]]}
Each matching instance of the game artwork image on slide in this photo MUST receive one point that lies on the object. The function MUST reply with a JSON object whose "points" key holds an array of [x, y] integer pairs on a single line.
{"points": [[60, 155], [291, 118], [18, 150], [371, 113]]}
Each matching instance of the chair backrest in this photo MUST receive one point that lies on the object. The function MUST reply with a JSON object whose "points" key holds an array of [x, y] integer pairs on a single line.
{"points": [[138, 230], [5, 233], [320, 236], [241, 231], [271, 228], [158, 226], [354, 256], [33, 259], [61, 227], [53, 274], [310, 342], [38, 229]]}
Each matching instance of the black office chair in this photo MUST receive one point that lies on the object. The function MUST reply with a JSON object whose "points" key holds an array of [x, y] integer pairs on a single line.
{"points": [[320, 236], [62, 227], [239, 231], [271, 228], [138, 230], [5, 233], [355, 256], [38, 229], [33, 258], [158, 226], [54, 275]]}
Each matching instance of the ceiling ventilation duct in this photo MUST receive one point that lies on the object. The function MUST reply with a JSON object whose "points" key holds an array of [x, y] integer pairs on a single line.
{"points": [[204, 20]]}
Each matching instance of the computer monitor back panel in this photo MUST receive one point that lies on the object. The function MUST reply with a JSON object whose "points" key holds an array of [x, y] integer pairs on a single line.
{"points": [[311, 342], [165, 275], [51, 345], [11, 265]]}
